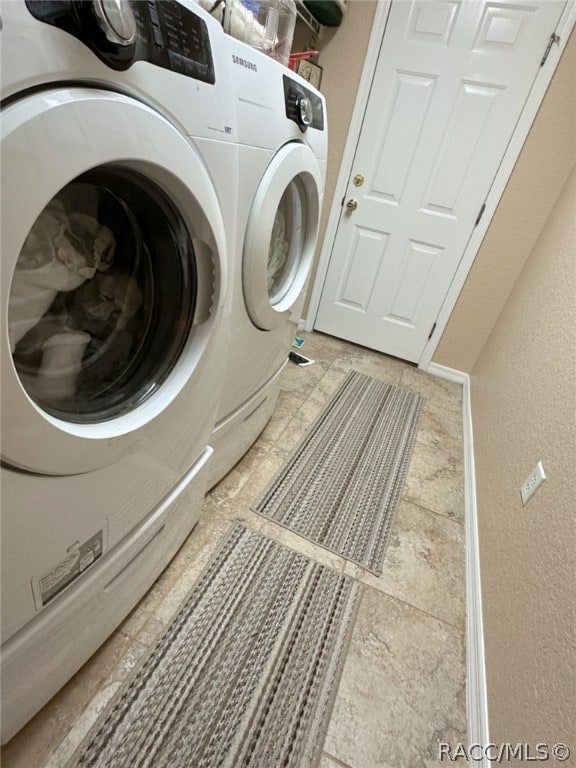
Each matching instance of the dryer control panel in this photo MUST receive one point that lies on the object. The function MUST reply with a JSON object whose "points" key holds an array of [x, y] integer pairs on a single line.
{"points": [[303, 106], [121, 32]]}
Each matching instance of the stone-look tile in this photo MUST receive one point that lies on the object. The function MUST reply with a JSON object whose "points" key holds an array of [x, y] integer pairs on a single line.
{"points": [[412, 680], [301, 380], [151, 630], [299, 425], [435, 481], [202, 541], [378, 367], [402, 689], [447, 394], [128, 662], [81, 699], [320, 346], [135, 620], [81, 726], [423, 564], [227, 489], [327, 761], [159, 590], [31, 746], [134, 655], [200, 550], [329, 349], [236, 492], [286, 406], [441, 429], [324, 391], [302, 545]]}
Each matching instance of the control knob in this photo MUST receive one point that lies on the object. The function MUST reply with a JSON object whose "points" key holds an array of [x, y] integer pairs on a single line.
{"points": [[299, 109], [305, 112], [116, 20]]}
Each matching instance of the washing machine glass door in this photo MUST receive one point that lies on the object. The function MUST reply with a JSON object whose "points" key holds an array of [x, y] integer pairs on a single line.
{"points": [[281, 235], [111, 253], [102, 297]]}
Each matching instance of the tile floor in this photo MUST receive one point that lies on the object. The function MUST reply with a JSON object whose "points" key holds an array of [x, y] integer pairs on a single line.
{"points": [[403, 685]]}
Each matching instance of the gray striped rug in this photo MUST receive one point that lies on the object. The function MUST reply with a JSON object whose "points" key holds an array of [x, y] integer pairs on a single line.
{"points": [[244, 676], [342, 484]]}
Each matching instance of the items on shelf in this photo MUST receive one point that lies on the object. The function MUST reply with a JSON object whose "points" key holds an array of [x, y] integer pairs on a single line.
{"points": [[267, 25], [295, 58], [329, 13], [306, 17]]}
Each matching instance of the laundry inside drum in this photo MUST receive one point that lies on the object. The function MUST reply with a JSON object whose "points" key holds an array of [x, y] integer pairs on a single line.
{"points": [[286, 242], [102, 296]]}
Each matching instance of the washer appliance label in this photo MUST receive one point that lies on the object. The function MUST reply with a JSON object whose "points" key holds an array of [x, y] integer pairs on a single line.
{"points": [[244, 63], [82, 556]]}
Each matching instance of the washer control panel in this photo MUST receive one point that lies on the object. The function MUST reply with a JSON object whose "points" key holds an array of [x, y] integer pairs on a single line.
{"points": [[121, 32], [117, 20], [302, 105]]}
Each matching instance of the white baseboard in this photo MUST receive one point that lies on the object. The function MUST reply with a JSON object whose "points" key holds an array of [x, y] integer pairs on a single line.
{"points": [[443, 372], [476, 686]]}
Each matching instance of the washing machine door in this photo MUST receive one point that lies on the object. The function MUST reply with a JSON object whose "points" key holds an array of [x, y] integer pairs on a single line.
{"points": [[113, 254], [281, 235]]}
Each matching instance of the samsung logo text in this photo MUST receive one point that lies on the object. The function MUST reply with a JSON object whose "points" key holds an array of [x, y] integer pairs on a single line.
{"points": [[244, 63]]}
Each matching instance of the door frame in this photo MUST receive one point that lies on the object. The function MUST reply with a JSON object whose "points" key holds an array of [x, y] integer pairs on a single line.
{"points": [[535, 97]]}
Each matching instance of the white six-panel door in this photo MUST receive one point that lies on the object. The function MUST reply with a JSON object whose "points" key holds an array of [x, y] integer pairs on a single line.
{"points": [[451, 81]]}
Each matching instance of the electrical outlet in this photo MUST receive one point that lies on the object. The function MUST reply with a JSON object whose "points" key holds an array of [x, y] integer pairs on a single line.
{"points": [[532, 483]]}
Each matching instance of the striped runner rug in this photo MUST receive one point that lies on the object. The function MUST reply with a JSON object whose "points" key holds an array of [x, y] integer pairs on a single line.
{"points": [[341, 486], [244, 676]]}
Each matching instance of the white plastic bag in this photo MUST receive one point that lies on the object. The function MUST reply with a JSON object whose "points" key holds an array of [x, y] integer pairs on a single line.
{"points": [[278, 254], [59, 254]]}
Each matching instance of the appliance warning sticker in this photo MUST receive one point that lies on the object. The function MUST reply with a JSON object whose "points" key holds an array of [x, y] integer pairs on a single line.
{"points": [[82, 556]]}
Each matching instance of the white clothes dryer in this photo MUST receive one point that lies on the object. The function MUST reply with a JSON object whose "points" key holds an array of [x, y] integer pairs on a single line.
{"points": [[282, 152], [118, 157]]}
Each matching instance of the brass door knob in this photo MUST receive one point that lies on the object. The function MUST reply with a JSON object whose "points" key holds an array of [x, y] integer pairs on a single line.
{"points": [[351, 205], [358, 180]]}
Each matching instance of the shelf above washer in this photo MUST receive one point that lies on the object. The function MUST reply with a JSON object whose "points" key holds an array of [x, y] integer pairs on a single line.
{"points": [[305, 16]]}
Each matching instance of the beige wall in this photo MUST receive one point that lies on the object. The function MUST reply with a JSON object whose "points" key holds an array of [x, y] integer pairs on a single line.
{"points": [[538, 177], [524, 410]]}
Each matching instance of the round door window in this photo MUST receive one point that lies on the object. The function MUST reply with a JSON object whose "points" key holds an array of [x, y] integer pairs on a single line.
{"points": [[102, 297], [287, 241], [281, 236]]}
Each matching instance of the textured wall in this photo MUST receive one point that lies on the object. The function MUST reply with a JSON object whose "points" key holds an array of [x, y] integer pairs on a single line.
{"points": [[524, 409], [538, 177]]}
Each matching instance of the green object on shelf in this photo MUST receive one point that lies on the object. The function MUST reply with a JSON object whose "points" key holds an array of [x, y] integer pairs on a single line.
{"points": [[326, 12]]}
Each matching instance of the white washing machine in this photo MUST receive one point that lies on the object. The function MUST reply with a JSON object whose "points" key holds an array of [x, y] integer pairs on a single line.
{"points": [[118, 196], [282, 152]]}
